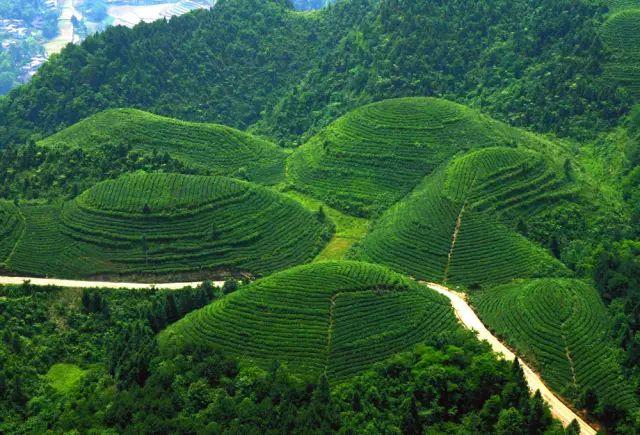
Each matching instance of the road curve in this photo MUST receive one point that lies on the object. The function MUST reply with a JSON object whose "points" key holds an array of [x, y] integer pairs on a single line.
{"points": [[469, 319], [17, 280]]}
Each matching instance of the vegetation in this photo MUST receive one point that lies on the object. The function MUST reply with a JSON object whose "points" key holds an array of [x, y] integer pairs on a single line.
{"points": [[247, 62], [455, 226], [455, 382], [372, 313], [562, 328], [378, 153], [217, 149], [167, 224], [620, 35]]}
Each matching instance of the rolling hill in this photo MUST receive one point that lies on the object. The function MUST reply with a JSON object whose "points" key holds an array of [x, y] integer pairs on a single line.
{"points": [[215, 148], [621, 36], [167, 224], [11, 227], [458, 225], [562, 327], [380, 152], [338, 317]]}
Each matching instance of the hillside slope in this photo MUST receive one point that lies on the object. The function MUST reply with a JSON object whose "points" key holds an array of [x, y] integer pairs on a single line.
{"points": [[380, 152], [166, 225], [217, 149], [562, 328], [533, 63], [338, 317], [459, 225]]}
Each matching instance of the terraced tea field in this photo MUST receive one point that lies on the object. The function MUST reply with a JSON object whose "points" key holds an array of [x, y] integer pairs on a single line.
{"points": [[621, 35], [168, 224], [338, 317], [11, 227], [453, 228], [215, 148], [562, 328], [380, 152]]}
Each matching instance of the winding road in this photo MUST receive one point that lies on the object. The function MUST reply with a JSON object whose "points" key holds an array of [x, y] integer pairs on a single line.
{"points": [[17, 280], [462, 309], [470, 320]]}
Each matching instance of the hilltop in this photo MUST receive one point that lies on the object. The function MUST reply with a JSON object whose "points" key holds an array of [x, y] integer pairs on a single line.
{"points": [[380, 152], [333, 317], [217, 149], [288, 74], [166, 225]]}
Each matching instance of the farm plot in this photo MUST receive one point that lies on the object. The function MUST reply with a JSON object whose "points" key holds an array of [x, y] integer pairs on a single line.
{"points": [[218, 149], [453, 228], [562, 328], [380, 152], [168, 224], [338, 317], [621, 35]]}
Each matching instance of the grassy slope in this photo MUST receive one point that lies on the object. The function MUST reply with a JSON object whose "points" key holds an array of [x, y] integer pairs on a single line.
{"points": [[167, 224], [562, 327], [215, 148], [335, 316], [380, 152]]}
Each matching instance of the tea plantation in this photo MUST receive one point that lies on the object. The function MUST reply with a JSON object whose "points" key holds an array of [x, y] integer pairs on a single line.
{"points": [[562, 327], [621, 35], [380, 152], [168, 224], [11, 227], [216, 148], [454, 227], [338, 317]]}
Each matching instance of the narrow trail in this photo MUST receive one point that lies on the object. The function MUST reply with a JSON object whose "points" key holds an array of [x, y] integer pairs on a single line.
{"points": [[454, 239], [469, 319], [17, 280], [19, 239], [332, 306]]}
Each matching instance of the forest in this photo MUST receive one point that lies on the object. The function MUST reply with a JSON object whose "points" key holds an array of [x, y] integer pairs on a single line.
{"points": [[312, 173]]}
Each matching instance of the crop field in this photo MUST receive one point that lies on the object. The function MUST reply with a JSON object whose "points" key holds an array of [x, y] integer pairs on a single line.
{"points": [[166, 224], [11, 226], [621, 35], [215, 148], [562, 327], [338, 317], [380, 152], [454, 226]]}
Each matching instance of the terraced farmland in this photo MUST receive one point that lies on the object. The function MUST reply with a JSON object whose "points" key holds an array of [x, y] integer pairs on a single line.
{"points": [[453, 228], [621, 35], [215, 148], [168, 224], [380, 152], [335, 316], [11, 226], [562, 328]]}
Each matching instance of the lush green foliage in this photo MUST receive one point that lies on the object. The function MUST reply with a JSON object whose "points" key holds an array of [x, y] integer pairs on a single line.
{"points": [[50, 333], [620, 34], [453, 383], [529, 63], [11, 227], [168, 224], [333, 317], [453, 227], [380, 152], [216, 149], [562, 328]]}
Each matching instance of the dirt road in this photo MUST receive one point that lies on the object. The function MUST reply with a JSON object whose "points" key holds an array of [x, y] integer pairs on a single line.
{"points": [[100, 284], [468, 318]]}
